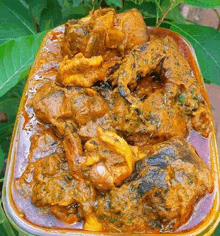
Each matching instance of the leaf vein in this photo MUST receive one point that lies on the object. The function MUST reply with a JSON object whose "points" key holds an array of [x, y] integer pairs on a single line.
{"points": [[15, 72], [21, 20]]}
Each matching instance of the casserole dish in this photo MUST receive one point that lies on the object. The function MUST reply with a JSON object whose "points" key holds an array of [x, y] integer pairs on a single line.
{"points": [[30, 220]]}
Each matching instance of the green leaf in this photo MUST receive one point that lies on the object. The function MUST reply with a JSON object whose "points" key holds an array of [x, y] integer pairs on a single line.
{"points": [[139, 2], [15, 57], [114, 3], [147, 9], [5, 144], [88, 3], [16, 92], [15, 21], [68, 3], [76, 3], [75, 13], [204, 3], [6, 128], [217, 231], [4, 221], [9, 105], [205, 42], [36, 8], [1, 159], [174, 14], [51, 16]]}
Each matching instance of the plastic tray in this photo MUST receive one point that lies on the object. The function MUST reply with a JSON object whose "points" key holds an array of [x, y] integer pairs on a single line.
{"points": [[204, 219]]}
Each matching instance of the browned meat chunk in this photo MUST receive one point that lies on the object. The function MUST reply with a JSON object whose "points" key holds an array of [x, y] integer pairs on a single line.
{"points": [[161, 192], [49, 183], [44, 143], [179, 84], [106, 161], [163, 120], [103, 32], [72, 107]]}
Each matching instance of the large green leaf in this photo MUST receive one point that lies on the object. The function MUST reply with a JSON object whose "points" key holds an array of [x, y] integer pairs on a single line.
{"points": [[205, 42], [139, 2], [15, 57], [36, 8], [148, 9], [76, 3], [204, 3], [51, 16], [114, 3], [75, 12], [9, 104], [1, 159], [174, 14], [4, 221], [15, 21]]}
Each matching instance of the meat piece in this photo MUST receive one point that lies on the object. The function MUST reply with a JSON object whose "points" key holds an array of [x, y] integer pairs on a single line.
{"points": [[44, 143], [106, 161], [124, 118], [161, 55], [81, 71], [134, 27], [71, 107], [69, 214], [201, 119], [163, 120], [101, 36], [53, 186], [105, 33], [89, 130], [161, 192]]}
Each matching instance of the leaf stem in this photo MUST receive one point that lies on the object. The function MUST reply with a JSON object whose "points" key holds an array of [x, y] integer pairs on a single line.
{"points": [[175, 3], [158, 5], [163, 16]]}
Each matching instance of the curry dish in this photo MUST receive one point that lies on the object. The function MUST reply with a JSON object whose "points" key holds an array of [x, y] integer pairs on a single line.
{"points": [[111, 149]]}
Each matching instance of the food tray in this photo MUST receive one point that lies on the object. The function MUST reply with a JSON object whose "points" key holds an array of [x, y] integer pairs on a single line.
{"points": [[206, 214]]}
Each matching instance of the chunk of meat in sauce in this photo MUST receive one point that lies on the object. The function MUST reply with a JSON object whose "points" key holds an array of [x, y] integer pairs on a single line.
{"points": [[52, 185], [161, 192], [180, 85], [71, 107], [103, 32], [43, 143], [163, 120], [106, 161], [123, 117]]}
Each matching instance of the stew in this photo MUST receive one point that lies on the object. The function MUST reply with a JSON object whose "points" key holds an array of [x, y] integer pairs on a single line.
{"points": [[109, 139]]}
